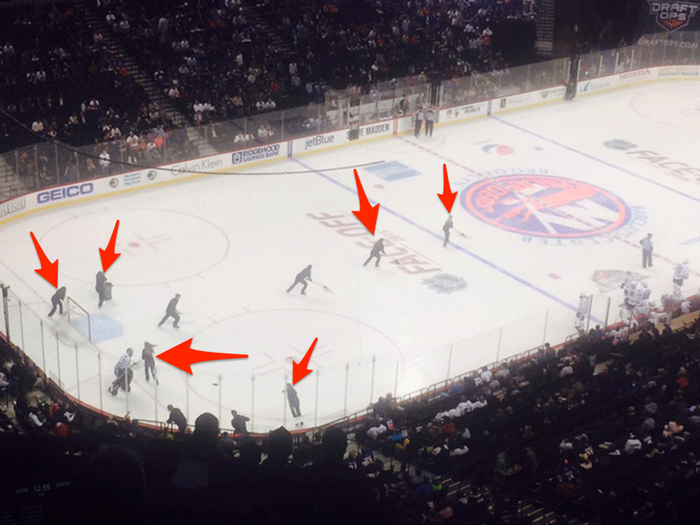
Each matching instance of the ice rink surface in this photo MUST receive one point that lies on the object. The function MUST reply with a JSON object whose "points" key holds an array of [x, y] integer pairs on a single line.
{"points": [[552, 201]]}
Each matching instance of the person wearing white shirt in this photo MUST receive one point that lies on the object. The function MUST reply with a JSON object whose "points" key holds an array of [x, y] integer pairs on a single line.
{"points": [[123, 373], [35, 419], [104, 162], [632, 445], [681, 273]]}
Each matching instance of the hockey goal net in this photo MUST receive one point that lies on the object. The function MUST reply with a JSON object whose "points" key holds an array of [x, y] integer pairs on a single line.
{"points": [[79, 318]]}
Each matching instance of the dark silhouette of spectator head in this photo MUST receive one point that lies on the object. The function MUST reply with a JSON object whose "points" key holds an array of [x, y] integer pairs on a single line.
{"points": [[279, 446], [334, 445], [250, 454], [160, 461], [114, 490], [206, 427]]}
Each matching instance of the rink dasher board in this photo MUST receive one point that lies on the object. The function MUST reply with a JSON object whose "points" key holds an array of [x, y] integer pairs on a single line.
{"points": [[637, 77], [77, 193]]}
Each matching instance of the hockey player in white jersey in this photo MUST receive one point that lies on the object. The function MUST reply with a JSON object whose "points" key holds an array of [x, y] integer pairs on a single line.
{"points": [[629, 280], [680, 274], [642, 309], [631, 296], [584, 305], [643, 291], [628, 286]]}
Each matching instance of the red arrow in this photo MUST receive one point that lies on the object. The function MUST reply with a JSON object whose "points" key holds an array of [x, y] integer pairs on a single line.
{"points": [[301, 370], [367, 214], [108, 256], [48, 270], [447, 196], [183, 355]]}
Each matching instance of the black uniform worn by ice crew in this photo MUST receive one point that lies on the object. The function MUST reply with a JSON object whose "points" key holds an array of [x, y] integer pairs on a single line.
{"points": [[149, 360], [171, 311], [57, 301], [377, 251], [446, 228], [177, 418], [301, 278], [293, 399], [238, 423], [103, 288]]}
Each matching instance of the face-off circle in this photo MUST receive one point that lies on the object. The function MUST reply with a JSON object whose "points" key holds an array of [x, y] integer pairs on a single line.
{"points": [[545, 206], [678, 108], [156, 246]]}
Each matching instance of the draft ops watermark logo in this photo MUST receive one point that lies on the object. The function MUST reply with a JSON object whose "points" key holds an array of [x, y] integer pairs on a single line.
{"points": [[671, 15], [545, 206]]}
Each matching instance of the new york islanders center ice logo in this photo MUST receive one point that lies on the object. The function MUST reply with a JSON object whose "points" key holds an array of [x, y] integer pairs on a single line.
{"points": [[545, 206]]}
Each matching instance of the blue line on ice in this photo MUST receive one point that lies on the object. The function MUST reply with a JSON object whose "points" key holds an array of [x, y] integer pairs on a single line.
{"points": [[592, 157], [433, 234]]}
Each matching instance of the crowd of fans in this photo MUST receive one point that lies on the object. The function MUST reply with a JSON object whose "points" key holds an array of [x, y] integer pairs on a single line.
{"points": [[601, 428], [58, 78], [221, 59], [380, 40], [232, 58], [212, 60]]}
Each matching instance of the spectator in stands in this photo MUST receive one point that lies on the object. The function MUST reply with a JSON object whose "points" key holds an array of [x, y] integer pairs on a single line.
{"points": [[4, 384], [177, 418], [112, 487], [238, 423], [38, 126], [338, 491], [279, 448], [34, 418], [104, 162]]}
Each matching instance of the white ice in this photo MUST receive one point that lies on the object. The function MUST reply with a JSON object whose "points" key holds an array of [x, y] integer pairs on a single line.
{"points": [[231, 244]]}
